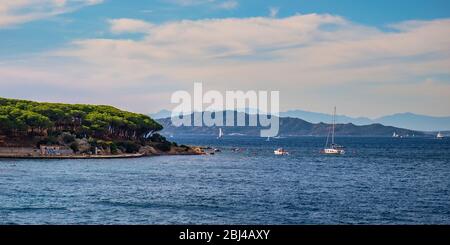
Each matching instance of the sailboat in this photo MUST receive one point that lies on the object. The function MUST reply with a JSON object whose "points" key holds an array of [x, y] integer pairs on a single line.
{"points": [[439, 136], [268, 139], [332, 149], [395, 135], [220, 133]]}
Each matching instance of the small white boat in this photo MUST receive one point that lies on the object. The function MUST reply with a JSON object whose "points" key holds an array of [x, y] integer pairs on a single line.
{"points": [[220, 133], [280, 151], [439, 136], [395, 135], [333, 149]]}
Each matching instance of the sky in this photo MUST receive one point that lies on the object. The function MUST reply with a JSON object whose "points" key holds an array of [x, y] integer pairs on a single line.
{"points": [[368, 58]]}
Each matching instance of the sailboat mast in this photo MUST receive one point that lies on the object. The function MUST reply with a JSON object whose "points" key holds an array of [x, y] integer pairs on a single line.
{"points": [[334, 122]]}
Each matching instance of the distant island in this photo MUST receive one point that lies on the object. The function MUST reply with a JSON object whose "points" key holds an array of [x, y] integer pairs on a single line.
{"points": [[402, 120], [53, 130], [417, 122], [291, 127]]}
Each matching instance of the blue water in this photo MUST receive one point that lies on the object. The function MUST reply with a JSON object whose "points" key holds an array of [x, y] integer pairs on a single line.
{"points": [[378, 181]]}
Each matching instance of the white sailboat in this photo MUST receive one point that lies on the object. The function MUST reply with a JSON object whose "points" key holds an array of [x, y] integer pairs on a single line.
{"points": [[220, 133], [332, 149], [395, 135], [439, 136]]}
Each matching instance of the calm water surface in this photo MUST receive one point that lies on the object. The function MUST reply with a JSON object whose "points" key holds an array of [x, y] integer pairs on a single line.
{"points": [[378, 181]]}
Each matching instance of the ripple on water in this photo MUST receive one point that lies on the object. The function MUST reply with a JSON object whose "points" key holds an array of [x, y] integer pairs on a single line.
{"points": [[379, 181]]}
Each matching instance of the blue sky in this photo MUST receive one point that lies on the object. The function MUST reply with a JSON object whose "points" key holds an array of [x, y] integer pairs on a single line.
{"points": [[44, 41], [91, 22]]}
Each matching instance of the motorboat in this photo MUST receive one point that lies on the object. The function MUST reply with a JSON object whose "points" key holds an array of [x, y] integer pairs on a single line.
{"points": [[280, 151]]}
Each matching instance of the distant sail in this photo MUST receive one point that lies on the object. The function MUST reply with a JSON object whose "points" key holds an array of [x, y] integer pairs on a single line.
{"points": [[220, 133]]}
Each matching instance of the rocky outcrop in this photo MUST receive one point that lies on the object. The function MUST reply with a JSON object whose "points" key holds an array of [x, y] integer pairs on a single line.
{"points": [[148, 150], [174, 150], [83, 145]]}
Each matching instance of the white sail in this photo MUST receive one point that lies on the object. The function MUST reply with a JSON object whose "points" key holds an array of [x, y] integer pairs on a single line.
{"points": [[220, 133]]}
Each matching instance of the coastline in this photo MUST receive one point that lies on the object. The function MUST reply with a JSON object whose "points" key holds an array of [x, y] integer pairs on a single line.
{"points": [[119, 156], [193, 152]]}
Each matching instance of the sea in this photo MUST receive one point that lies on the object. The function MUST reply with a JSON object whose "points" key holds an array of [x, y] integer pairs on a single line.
{"points": [[377, 181]]}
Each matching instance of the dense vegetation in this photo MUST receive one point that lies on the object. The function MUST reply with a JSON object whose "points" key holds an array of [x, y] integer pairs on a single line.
{"points": [[20, 118]]}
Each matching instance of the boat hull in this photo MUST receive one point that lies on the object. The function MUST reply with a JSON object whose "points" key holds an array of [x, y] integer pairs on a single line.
{"points": [[280, 152], [331, 151]]}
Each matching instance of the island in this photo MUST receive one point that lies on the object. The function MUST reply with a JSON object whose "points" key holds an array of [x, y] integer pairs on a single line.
{"points": [[288, 127], [31, 129]]}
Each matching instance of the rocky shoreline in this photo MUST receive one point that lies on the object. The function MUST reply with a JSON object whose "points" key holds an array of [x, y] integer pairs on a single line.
{"points": [[40, 130], [146, 151]]}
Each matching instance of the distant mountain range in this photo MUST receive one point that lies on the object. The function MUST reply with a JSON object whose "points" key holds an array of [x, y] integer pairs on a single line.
{"points": [[404, 120], [161, 114], [416, 122], [289, 127], [401, 120]]}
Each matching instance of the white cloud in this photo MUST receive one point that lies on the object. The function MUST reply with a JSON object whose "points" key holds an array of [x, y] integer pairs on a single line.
{"points": [[226, 4], [230, 4], [20, 11], [273, 11], [316, 61], [129, 25]]}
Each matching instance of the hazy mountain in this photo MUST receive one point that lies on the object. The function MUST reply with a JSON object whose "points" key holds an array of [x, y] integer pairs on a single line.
{"points": [[289, 127], [416, 122], [402, 120], [316, 117], [161, 114], [166, 113]]}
